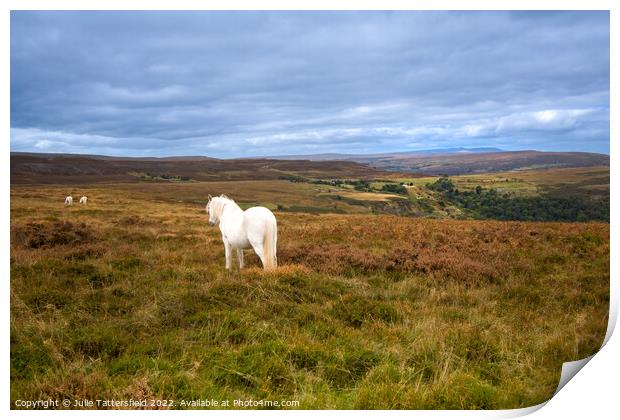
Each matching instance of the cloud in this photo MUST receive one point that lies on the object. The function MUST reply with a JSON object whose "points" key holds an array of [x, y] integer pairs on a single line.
{"points": [[260, 83], [547, 120]]}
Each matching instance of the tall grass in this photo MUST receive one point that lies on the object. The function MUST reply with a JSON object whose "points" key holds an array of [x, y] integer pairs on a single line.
{"points": [[127, 297]]}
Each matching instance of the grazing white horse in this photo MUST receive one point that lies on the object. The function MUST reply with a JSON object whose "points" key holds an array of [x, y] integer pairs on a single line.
{"points": [[254, 228], [83, 200], [68, 200]]}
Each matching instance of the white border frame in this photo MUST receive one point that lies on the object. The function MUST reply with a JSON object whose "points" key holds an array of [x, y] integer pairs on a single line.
{"points": [[591, 393]]}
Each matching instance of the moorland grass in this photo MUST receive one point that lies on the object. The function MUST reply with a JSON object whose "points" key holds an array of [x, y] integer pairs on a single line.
{"points": [[127, 297]]}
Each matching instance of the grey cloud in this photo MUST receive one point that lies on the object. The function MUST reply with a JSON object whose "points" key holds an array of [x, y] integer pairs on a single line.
{"points": [[257, 83]]}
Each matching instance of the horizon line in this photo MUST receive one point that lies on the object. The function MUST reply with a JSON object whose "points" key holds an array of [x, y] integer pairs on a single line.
{"points": [[309, 155]]}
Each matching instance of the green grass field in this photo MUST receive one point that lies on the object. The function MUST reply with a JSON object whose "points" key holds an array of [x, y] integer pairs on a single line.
{"points": [[127, 297]]}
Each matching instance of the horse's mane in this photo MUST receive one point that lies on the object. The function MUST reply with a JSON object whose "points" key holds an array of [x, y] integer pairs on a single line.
{"points": [[218, 205]]}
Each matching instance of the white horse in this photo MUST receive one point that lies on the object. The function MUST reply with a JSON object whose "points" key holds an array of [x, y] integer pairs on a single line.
{"points": [[68, 200], [83, 200], [254, 228]]}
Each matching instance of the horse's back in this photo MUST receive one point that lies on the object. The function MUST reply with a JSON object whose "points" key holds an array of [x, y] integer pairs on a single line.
{"points": [[257, 219], [258, 213]]}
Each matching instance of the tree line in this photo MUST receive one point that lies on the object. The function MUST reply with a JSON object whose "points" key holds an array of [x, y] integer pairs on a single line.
{"points": [[485, 203]]}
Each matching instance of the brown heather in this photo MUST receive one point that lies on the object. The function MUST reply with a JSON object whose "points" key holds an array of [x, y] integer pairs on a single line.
{"points": [[127, 297]]}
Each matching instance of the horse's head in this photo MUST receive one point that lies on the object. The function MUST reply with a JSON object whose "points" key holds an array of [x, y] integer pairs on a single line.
{"points": [[210, 212], [215, 207]]}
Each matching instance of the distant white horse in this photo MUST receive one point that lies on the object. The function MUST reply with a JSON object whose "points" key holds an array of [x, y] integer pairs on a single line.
{"points": [[254, 228], [83, 200], [68, 200]]}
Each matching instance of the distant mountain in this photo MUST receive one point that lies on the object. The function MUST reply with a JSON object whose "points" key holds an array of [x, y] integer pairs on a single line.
{"points": [[356, 157], [458, 161], [467, 163], [452, 150]]}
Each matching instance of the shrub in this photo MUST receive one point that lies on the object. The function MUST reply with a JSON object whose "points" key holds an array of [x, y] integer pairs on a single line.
{"points": [[45, 235], [394, 188]]}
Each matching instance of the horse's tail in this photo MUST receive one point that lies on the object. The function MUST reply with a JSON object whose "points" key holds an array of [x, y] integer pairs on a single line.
{"points": [[270, 241]]}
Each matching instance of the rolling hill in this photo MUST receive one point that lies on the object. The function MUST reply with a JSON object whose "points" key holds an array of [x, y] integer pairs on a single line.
{"points": [[32, 168], [366, 156], [461, 161], [37, 168]]}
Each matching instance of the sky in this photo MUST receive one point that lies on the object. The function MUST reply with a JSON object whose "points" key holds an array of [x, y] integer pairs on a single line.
{"points": [[239, 84]]}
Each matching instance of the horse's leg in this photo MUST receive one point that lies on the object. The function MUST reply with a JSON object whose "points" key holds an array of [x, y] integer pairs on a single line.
{"points": [[228, 252], [258, 248], [255, 238], [240, 257]]}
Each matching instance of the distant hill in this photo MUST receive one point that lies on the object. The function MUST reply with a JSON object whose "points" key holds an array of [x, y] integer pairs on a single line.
{"points": [[62, 168], [41, 168], [461, 161], [372, 156], [458, 164]]}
